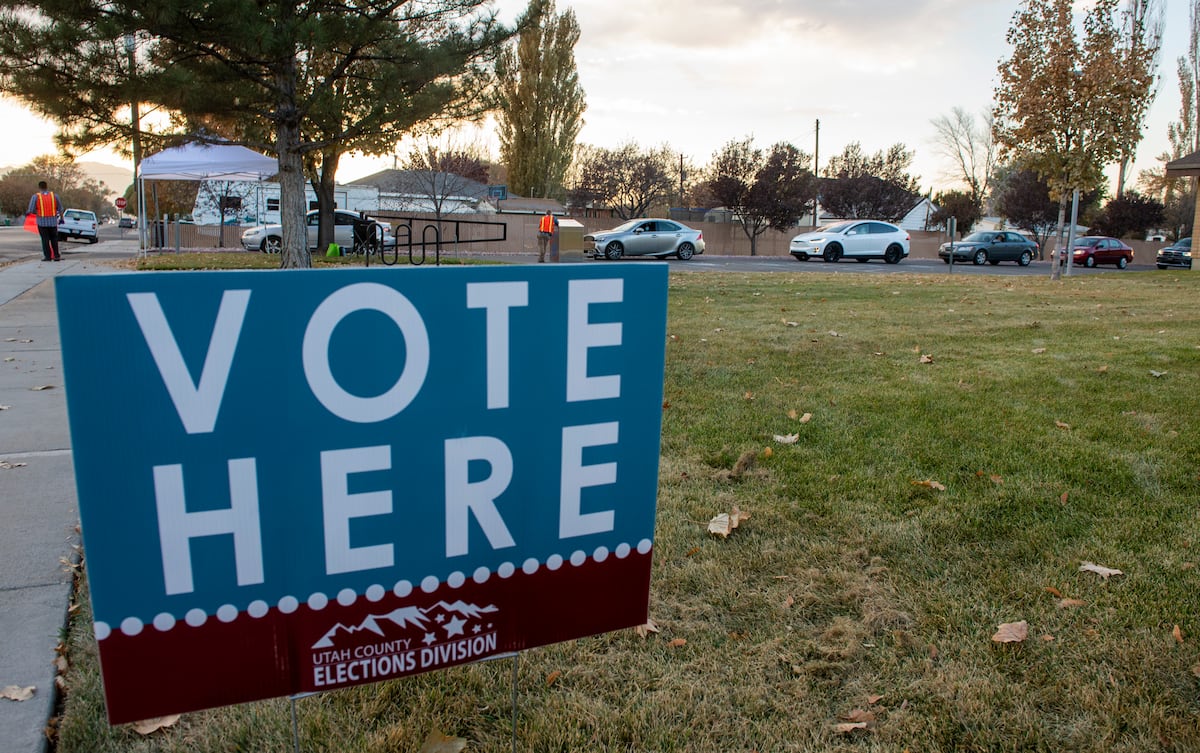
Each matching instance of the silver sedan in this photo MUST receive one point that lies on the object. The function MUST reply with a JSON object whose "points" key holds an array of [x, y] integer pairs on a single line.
{"points": [[645, 237]]}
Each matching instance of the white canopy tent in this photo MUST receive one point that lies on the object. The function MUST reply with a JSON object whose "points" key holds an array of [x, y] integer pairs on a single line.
{"points": [[201, 161], [197, 161]]}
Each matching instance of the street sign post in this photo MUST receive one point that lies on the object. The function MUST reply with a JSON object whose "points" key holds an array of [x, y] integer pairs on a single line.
{"points": [[300, 481]]}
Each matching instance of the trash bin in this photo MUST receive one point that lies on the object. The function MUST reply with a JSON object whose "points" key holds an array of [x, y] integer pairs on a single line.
{"points": [[567, 243]]}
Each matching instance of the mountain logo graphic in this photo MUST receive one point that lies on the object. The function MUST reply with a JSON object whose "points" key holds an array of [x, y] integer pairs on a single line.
{"points": [[450, 618]]}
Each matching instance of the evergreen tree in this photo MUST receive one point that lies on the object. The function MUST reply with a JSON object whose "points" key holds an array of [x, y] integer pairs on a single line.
{"points": [[540, 101]]}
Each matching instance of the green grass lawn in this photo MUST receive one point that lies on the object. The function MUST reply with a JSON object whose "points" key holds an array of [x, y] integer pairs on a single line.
{"points": [[962, 445]]}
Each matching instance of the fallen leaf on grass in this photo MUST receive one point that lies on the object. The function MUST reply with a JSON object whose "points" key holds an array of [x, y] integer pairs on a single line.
{"points": [[149, 726], [806, 418], [1062, 500], [931, 484], [1178, 634], [1103, 572], [788, 602], [768, 452], [440, 743], [1062, 425], [1102, 370], [1039, 351], [874, 699], [859, 715], [1071, 603], [1157, 374], [18, 693], [846, 728], [787, 438], [677, 642], [726, 522], [1012, 632], [926, 358], [748, 396], [553, 677], [1053, 591], [647, 629]]}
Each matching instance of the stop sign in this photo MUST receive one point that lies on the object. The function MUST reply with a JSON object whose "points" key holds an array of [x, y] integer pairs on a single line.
{"points": [[120, 202]]}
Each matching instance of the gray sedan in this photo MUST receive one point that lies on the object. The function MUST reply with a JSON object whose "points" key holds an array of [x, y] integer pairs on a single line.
{"points": [[991, 247], [645, 237]]}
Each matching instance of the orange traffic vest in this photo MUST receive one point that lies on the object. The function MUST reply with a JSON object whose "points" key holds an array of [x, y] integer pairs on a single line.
{"points": [[546, 225], [47, 204]]}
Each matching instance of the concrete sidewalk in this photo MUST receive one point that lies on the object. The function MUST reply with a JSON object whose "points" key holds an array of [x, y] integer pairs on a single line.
{"points": [[38, 516]]}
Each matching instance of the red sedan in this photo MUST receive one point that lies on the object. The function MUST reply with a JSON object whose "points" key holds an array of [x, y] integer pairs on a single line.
{"points": [[1091, 250]]}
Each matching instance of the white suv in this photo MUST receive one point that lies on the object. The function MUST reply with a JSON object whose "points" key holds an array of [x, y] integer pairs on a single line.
{"points": [[78, 223]]}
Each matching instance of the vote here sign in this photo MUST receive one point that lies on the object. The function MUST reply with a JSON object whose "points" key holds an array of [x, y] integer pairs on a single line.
{"points": [[299, 481]]}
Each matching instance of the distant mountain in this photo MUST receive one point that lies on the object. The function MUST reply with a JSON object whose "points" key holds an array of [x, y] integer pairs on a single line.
{"points": [[116, 178]]}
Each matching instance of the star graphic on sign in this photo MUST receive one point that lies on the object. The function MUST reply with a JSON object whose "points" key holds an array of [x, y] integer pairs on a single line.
{"points": [[440, 617], [455, 626], [476, 629], [430, 638]]}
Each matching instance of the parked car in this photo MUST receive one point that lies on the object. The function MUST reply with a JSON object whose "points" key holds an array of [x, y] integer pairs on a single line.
{"points": [[991, 246], [126, 222], [1091, 250], [1178, 254], [269, 238], [645, 237], [862, 240], [78, 223]]}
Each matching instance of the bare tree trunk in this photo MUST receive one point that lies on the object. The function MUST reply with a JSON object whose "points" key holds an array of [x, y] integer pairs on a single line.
{"points": [[324, 187], [294, 253], [1057, 256]]}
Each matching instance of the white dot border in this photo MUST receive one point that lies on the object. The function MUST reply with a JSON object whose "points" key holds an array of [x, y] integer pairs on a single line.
{"points": [[227, 613]]}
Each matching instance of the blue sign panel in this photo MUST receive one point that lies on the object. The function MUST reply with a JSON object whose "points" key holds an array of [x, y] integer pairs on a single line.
{"points": [[294, 481]]}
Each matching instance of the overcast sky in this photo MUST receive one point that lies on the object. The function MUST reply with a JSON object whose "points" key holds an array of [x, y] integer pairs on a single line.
{"points": [[697, 74]]}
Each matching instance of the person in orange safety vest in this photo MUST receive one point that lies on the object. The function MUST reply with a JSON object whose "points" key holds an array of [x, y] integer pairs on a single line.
{"points": [[48, 209], [545, 232]]}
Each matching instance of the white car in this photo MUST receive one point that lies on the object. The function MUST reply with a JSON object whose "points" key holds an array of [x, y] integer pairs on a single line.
{"points": [[862, 240], [269, 238], [78, 223]]}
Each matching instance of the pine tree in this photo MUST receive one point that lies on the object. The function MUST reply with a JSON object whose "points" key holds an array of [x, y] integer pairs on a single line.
{"points": [[540, 101]]}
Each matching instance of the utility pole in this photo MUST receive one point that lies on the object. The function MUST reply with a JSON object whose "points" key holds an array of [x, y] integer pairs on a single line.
{"points": [[681, 182], [817, 174], [134, 116]]}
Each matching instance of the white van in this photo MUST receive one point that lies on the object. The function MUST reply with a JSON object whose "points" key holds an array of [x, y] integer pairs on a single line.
{"points": [[78, 223]]}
